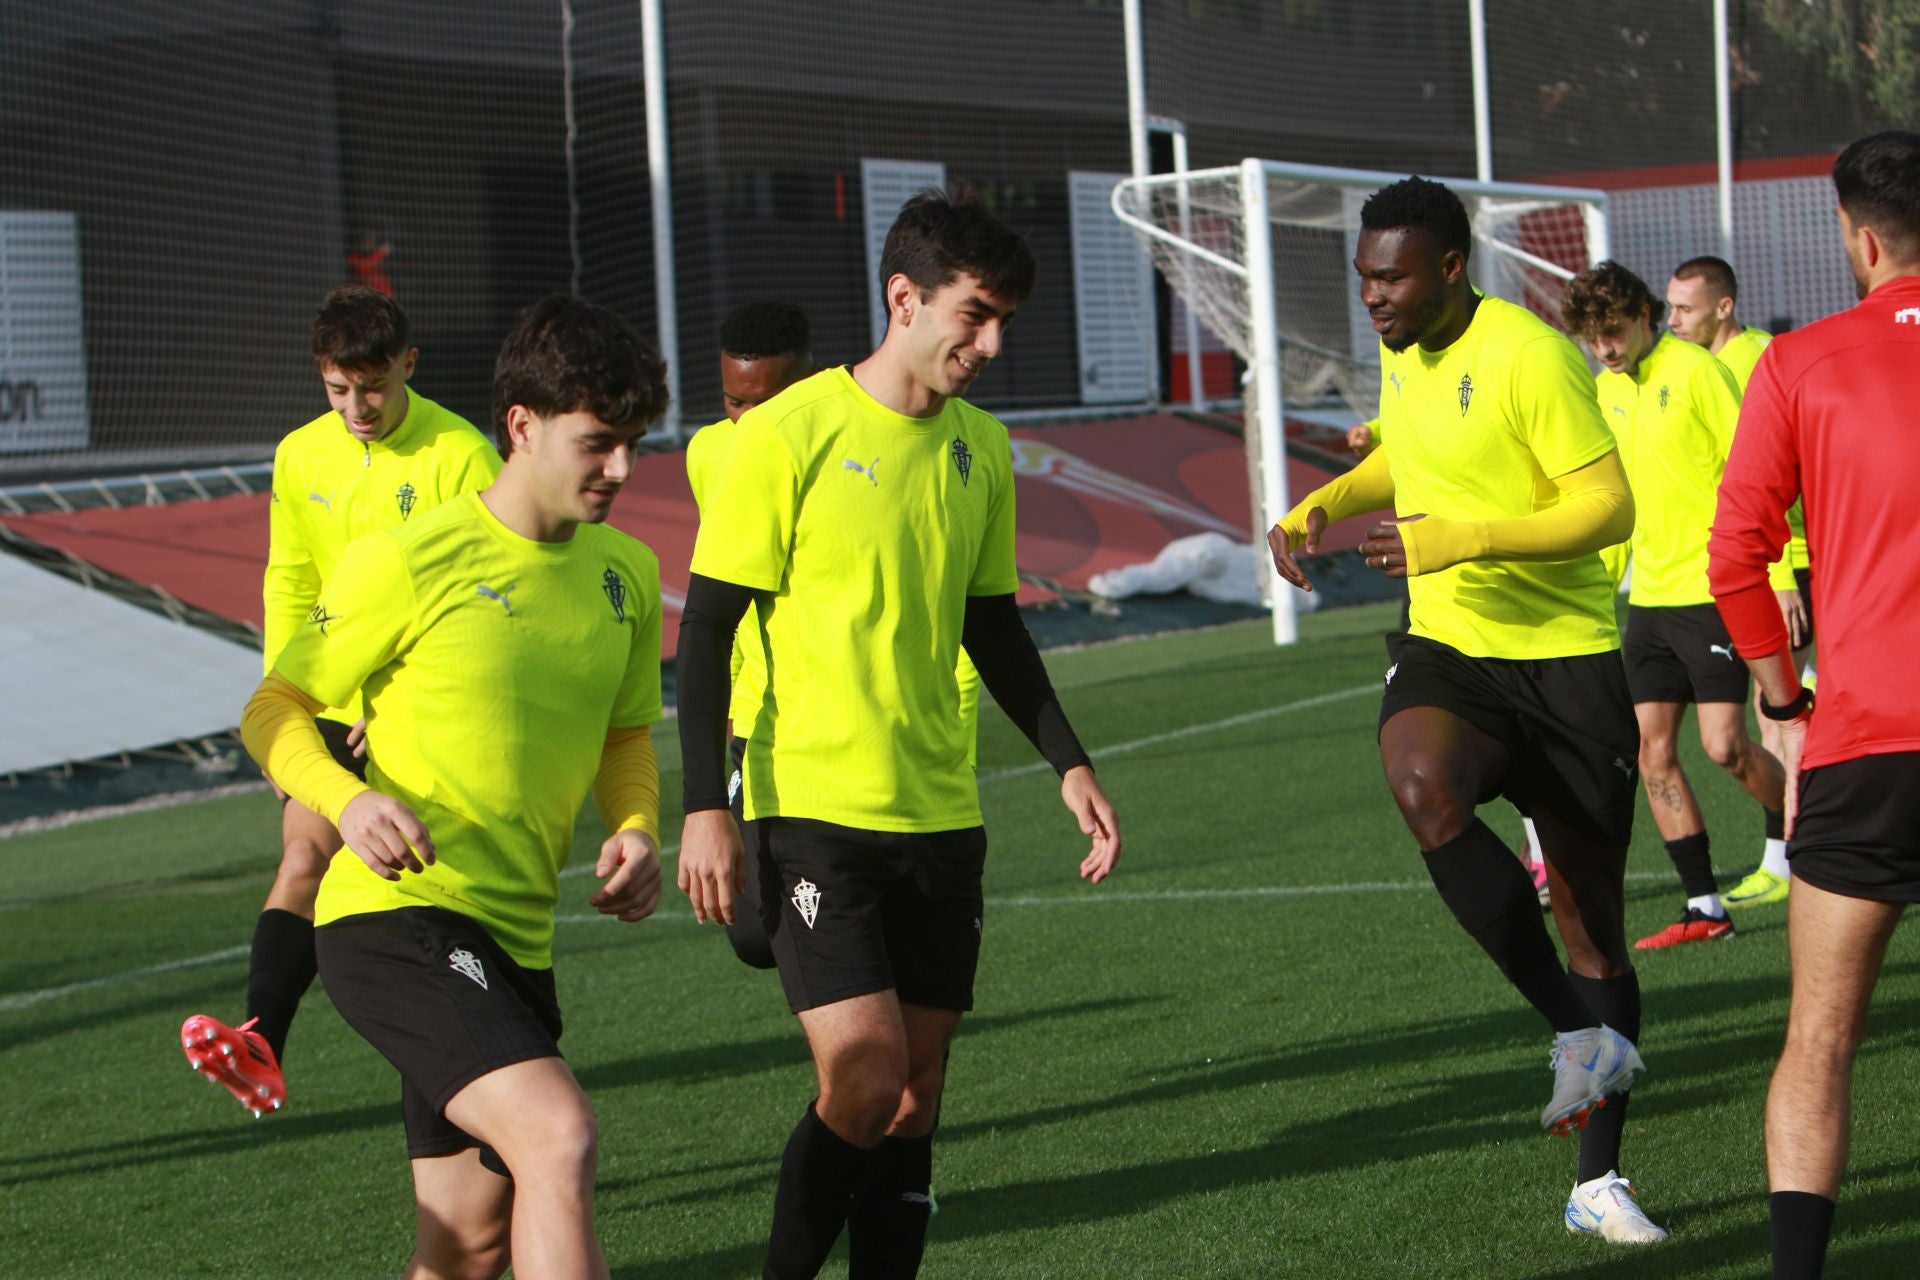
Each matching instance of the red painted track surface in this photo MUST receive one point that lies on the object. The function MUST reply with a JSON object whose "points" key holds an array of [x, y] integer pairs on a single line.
{"points": [[1092, 497]]}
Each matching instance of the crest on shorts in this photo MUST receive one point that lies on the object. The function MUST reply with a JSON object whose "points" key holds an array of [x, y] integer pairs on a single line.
{"points": [[405, 495], [1466, 393], [1663, 397], [616, 594], [467, 965], [806, 900], [962, 461], [319, 617]]}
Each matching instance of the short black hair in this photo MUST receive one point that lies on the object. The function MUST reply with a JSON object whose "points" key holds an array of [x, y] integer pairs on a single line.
{"points": [[1715, 271], [1416, 204], [359, 329], [941, 233], [1607, 295], [567, 354], [760, 329], [1878, 182]]}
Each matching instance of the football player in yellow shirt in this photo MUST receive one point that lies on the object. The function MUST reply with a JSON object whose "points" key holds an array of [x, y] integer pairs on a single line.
{"points": [[867, 514], [508, 645], [1507, 485], [382, 455], [1679, 408], [1701, 298]]}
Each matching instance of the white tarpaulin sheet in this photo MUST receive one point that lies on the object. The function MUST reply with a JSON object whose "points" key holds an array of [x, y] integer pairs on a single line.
{"points": [[84, 675]]}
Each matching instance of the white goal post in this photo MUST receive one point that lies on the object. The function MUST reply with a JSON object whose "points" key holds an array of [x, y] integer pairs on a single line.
{"points": [[1285, 302]]}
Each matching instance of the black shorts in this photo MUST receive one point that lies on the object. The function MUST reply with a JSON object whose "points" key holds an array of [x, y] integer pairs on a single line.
{"points": [[1567, 725], [1682, 654], [748, 932], [334, 734], [851, 912], [435, 994], [1859, 828]]}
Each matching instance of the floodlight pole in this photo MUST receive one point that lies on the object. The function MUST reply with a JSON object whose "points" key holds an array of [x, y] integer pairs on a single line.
{"points": [[1723, 116], [666, 304], [1136, 89], [1268, 403], [1482, 121]]}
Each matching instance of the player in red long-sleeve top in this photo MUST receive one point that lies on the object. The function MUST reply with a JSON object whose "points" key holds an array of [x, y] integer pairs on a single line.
{"points": [[1830, 416]]}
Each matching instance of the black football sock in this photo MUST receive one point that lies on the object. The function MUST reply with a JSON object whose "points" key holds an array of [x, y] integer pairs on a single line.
{"points": [[818, 1174], [1802, 1223], [887, 1228], [1493, 898], [1616, 1003], [1776, 823], [1694, 863], [282, 969]]}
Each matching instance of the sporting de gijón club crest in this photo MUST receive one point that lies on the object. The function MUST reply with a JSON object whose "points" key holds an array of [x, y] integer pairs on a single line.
{"points": [[1466, 393], [404, 497], [616, 594], [962, 461], [806, 900], [1663, 398]]}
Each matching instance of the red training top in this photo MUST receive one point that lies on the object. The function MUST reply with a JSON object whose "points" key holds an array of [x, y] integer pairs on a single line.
{"points": [[1833, 415]]}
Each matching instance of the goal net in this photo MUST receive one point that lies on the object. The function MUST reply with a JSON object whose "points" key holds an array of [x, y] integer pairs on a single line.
{"points": [[1285, 300]]}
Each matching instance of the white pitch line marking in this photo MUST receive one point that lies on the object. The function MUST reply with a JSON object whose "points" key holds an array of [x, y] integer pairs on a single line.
{"points": [[27, 999]]}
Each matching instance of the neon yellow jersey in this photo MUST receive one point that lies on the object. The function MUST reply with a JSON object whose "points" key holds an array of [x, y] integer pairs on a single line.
{"points": [[867, 530], [329, 488], [1478, 432], [493, 668], [1674, 419], [1740, 354]]}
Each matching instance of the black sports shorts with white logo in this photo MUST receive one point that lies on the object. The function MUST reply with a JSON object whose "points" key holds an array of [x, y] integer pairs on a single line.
{"points": [[1682, 653], [434, 993], [1567, 725], [852, 911], [334, 734], [1859, 828]]}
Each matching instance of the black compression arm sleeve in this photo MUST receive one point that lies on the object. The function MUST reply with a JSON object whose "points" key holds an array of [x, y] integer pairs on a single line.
{"points": [[997, 641], [703, 672]]}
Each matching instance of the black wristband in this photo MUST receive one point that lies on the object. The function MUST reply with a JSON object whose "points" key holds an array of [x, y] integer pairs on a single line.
{"points": [[1792, 711]]}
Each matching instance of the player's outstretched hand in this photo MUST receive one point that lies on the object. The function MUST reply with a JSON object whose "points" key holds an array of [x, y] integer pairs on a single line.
{"points": [[1283, 546], [1080, 792], [357, 738], [713, 865], [630, 866], [386, 835], [1385, 549], [1793, 737]]}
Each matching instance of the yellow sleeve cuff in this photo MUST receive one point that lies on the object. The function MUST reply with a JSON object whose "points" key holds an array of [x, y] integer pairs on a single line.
{"points": [[1367, 487], [627, 789], [1595, 511]]}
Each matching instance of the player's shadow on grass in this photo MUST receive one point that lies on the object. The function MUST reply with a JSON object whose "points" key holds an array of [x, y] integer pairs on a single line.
{"points": [[84, 1011], [190, 1145], [769, 1053]]}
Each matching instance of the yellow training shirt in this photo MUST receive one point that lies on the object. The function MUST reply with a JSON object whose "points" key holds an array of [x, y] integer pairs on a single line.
{"points": [[867, 530], [704, 450], [493, 667], [1740, 355], [1674, 419], [1478, 432], [329, 488]]}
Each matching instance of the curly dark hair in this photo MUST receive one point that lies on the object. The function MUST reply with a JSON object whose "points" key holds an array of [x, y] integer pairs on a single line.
{"points": [[358, 329], [567, 354], [942, 233], [756, 330], [1417, 204], [1606, 296]]}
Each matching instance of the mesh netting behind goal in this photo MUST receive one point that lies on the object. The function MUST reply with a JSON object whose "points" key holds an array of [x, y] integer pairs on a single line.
{"points": [[1528, 242]]}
